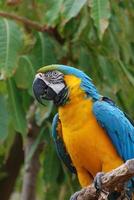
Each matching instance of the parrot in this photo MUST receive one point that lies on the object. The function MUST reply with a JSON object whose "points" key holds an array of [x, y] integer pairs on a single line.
{"points": [[90, 132]]}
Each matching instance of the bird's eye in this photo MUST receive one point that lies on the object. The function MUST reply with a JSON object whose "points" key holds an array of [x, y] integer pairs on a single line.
{"points": [[54, 73]]}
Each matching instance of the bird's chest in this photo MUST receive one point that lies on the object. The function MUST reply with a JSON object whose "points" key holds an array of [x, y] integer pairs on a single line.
{"points": [[79, 128]]}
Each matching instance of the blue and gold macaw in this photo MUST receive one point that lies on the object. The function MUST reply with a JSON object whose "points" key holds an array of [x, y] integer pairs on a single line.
{"points": [[90, 132]]}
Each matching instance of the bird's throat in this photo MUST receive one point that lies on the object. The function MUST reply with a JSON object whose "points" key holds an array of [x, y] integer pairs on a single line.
{"points": [[61, 98]]}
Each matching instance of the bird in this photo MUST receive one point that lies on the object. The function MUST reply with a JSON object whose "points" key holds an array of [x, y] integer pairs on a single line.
{"points": [[90, 132]]}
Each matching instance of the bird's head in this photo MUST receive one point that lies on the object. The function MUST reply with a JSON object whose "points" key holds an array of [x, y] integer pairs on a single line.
{"points": [[51, 83]]}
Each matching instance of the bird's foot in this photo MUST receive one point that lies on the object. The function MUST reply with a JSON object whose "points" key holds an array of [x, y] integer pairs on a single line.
{"points": [[97, 181], [98, 185], [74, 196]]}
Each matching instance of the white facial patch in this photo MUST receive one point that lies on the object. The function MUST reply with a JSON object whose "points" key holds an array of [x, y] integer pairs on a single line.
{"points": [[57, 87]]}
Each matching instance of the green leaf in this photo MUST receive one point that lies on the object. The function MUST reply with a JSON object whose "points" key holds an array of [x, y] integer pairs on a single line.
{"points": [[25, 73], [10, 46], [18, 115], [43, 112], [52, 13], [100, 12], [3, 89], [44, 51], [51, 165], [127, 73], [26, 99], [71, 8], [35, 145], [50, 158], [4, 118], [83, 24]]}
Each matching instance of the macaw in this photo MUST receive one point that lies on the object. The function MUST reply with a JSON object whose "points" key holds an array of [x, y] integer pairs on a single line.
{"points": [[90, 132]]}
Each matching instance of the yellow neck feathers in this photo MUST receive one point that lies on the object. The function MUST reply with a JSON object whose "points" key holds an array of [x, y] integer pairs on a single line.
{"points": [[77, 105], [75, 91]]}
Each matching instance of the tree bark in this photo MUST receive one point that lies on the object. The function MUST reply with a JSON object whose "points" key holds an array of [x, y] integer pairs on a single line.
{"points": [[111, 181], [13, 2], [32, 166], [12, 168], [34, 25]]}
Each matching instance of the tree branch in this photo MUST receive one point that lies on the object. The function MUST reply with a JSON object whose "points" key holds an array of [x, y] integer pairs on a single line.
{"points": [[34, 25], [13, 2], [32, 165], [27, 22], [111, 181], [12, 168]]}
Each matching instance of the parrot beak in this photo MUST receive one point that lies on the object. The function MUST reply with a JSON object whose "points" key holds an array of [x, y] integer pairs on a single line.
{"points": [[42, 91], [45, 90], [39, 88]]}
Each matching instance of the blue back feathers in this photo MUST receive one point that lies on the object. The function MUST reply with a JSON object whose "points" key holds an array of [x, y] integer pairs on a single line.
{"points": [[118, 127]]}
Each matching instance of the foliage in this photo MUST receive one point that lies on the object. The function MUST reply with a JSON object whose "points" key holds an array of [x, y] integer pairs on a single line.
{"points": [[94, 35]]}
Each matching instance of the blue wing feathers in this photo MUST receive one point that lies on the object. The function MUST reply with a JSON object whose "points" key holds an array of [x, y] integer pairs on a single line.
{"points": [[117, 126], [60, 147], [54, 126]]}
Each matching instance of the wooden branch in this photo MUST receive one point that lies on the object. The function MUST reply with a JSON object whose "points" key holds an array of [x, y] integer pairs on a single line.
{"points": [[111, 181], [27, 22], [34, 25], [32, 167], [11, 168], [13, 2]]}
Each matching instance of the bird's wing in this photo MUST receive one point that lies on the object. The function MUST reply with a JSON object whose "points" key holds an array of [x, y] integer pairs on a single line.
{"points": [[117, 125], [59, 144]]}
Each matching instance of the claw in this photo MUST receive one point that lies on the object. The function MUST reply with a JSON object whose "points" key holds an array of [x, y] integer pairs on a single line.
{"points": [[74, 196], [97, 181]]}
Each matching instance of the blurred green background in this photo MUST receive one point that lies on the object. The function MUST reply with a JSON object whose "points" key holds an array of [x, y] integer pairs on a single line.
{"points": [[96, 36]]}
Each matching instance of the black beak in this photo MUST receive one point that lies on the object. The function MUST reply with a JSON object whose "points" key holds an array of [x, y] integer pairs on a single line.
{"points": [[42, 91], [39, 89]]}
